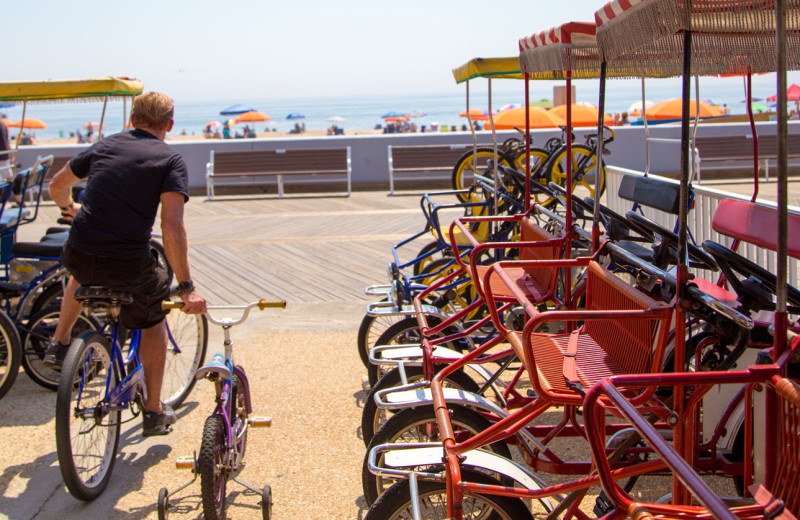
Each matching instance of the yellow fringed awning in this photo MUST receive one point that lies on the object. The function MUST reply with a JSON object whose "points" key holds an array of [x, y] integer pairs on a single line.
{"points": [[488, 67], [54, 90]]}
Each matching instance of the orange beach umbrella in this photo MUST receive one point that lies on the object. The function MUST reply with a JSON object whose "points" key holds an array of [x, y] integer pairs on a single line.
{"points": [[673, 108], [581, 115], [252, 117], [30, 122], [474, 114], [539, 118]]}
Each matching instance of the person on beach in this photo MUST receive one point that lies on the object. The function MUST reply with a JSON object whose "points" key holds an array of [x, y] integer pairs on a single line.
{"points": [[128, 175]]}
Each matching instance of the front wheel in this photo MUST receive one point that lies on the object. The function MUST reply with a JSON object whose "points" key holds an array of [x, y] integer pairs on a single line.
{"points": [[395, 503], [212, 466], [36, 338], [10, 353], [187, 340], [584, 170], [469, 165], [87, 429], [266, 503]]}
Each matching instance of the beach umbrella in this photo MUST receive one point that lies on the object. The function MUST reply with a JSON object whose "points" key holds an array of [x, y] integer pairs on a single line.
{"points": [[392, 114], [417, 113], [542, 103], [509, 106], [792, 94], [6, 105], [252, 117], [515, 117], [295, 115], [213, 124], [336, 119], [29, 122], [581, 115], [6, 122], [586, 104], [396, 118], [635, 108], [94, 125], [475, 114], [758, 107], [672, 109], [709, 102], [235, 110]]}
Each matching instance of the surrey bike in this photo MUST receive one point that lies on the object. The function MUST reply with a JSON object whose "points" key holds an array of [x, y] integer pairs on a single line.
{"points": [[99, 381], [225, 431]]}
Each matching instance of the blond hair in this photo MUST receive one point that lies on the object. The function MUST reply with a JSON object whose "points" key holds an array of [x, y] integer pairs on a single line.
{"points": [[153, 110]]}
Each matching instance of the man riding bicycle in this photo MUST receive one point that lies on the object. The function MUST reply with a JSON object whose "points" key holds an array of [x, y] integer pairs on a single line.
{"points": [[127, 176]]}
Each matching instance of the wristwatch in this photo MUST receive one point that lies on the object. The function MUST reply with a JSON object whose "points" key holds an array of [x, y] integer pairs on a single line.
{"points": [[185, 287]]}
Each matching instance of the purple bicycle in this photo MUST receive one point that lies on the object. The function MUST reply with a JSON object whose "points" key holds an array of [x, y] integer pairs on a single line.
{"points": [[225, 430]]}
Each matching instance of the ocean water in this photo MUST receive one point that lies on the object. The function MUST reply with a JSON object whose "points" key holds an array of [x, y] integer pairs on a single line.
{"points": [[364, 112]]}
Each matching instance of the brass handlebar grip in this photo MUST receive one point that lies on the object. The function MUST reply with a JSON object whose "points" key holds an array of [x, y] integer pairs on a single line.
{"points": [[262, 304], [171, 305]]}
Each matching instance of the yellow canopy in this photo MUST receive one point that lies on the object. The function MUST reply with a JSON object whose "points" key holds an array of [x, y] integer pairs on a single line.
{"points": [[53, 90], [488, 67]]}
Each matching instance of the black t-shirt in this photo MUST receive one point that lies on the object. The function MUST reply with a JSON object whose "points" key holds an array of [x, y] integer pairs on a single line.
{"points": [[125, 174], [4, 144]]}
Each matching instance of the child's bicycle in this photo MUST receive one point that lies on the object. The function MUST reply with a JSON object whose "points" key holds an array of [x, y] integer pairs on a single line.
{"points": [[225, 430], [102, 376]]}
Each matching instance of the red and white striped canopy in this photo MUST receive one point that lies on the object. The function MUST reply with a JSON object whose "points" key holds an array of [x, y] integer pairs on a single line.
{"points": [[728, 36], [568, 47]]}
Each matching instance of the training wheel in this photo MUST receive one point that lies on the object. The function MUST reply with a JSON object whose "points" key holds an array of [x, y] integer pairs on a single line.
{"points": [[266, 503], [163, 503]]}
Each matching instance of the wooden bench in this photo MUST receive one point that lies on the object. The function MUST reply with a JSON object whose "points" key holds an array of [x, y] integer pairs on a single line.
{"points": [[423, 159], [732, 148], [234, 168]]}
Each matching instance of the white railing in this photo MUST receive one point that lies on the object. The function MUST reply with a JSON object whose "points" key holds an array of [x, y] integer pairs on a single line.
{"points": [[706, 201]]}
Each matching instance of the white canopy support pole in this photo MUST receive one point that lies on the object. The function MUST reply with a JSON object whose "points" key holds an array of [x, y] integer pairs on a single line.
{"points": [[695, 166], [646, 133], [22, 126]]}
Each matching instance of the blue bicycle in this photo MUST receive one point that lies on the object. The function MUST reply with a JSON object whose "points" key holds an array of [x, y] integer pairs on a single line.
{"points": [[102, 377]]}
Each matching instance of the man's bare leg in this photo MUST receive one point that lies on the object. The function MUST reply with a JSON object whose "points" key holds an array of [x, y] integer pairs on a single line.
{"points": [[70, 311], [153, 354]]}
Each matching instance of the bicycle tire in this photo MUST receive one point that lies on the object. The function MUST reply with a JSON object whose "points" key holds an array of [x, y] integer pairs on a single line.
{"points": [[408, 424], [158, 251], [370, 330], [420, 264], [239, 418], [372, 417], [51, 297], [539, 163], [35, 337], [10, 353], [84, 477], [405, 331], [580, 154], [212, 467], [187, 342], [395, 503], [463, 175]]}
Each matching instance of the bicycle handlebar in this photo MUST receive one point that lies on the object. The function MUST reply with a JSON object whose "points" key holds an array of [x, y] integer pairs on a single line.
{"points": [[261, 304]]}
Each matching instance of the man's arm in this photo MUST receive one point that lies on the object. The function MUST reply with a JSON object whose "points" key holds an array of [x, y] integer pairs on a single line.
{"points": [[60, 188], [176, 247]]}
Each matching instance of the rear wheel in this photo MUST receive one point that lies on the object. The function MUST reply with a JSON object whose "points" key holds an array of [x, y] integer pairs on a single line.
{"points": [[395, 504], [187, 340], [87, 430], [10, 353], [212, 466], [584, 170], [370, 330], [418, 425], [464, 171], [36, 338]]}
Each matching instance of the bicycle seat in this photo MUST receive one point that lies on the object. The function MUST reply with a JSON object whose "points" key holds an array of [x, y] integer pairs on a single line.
{"points": [[215, 366], [48, 249], [97, 294]]}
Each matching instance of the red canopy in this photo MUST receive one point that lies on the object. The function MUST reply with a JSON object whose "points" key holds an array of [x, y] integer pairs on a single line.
{"points": [[792, 94]]}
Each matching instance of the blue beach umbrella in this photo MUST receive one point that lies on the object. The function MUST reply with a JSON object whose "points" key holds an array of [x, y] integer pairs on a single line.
{"points": [[6, 105], [236, 110], [295, 115], [392, 114]]}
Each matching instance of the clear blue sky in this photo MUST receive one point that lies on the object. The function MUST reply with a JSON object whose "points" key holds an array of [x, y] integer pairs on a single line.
{"points": [[245, 49], [203, 49]]}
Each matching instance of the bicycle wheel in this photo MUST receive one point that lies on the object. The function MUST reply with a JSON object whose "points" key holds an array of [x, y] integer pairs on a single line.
{"points": [[415, 425], [404, 332], [464, 171], [10, 353], [370, 330], [584, 163], [87, 431], [239, 418], [157, 249], [538, 169], [36, 336], [395, 503], [372, 417], [212, 466], [50, 297], [187, 340]]}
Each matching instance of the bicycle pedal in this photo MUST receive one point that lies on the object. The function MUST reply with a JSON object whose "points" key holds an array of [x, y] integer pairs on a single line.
{"points": [[184, 463], [260, 422]]}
